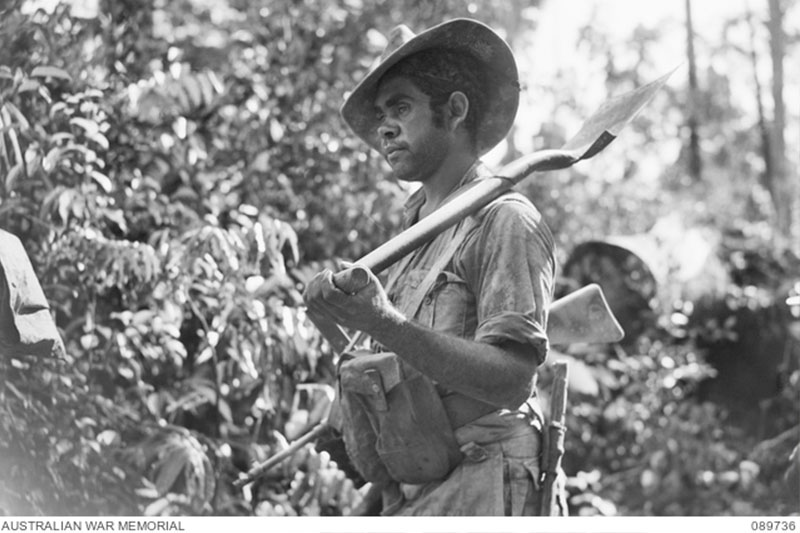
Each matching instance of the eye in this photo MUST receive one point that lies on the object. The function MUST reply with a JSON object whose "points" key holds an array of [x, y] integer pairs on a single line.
{"points": [[403, 108]]}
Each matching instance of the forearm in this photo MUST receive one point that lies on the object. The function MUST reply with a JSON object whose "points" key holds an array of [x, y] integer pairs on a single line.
{"points": [[499, 375]]}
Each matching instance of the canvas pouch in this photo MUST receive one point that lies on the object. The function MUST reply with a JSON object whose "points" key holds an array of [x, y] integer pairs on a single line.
{"points": [[395, 426]]}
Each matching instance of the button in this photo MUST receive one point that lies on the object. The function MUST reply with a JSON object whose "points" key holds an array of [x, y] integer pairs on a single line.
{"points": [[474, 453]]}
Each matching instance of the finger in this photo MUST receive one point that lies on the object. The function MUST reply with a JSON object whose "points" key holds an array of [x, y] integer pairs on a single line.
{"points": [[314, 289], [352, 280], [320, 315], [330, 292]]}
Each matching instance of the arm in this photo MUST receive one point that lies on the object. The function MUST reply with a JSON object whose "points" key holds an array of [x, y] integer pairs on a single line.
{"points": [[497, 374], [509, 266]]}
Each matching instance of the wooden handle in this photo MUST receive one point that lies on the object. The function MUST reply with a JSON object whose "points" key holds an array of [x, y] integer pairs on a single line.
{"points": [[351, 280]]}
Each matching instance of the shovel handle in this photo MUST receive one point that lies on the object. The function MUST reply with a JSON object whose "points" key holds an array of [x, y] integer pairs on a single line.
{"points": [[352, 279]]}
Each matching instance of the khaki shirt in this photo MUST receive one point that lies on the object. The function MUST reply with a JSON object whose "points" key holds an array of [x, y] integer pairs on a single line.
{"points": [[499, 284], [497, 287]]}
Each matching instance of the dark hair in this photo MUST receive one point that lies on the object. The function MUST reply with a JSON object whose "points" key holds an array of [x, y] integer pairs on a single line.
{"points": [[438, 72]]}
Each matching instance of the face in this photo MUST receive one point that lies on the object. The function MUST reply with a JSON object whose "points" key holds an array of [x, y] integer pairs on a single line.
{"points": [[410, 141]]}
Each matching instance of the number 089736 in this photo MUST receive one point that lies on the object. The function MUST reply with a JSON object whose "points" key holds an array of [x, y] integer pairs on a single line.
{"points": [[773, 525]]}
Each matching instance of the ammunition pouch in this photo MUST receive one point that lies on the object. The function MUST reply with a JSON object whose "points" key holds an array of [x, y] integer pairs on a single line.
{"points": [[395, 426]]}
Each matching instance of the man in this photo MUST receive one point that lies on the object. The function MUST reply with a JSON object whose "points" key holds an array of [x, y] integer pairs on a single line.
{"points": [[435, 103]]}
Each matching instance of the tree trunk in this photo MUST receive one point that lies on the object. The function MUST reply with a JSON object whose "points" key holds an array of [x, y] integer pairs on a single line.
{"points": [[695, 161], [785, 188], [767, 177]]}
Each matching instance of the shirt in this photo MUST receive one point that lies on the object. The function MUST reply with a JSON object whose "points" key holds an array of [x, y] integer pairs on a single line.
{"points": [[499, 284], [497, 287]]}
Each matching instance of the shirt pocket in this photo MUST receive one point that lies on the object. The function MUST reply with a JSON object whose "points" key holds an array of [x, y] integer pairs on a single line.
{"points": [[522, 491], [450, 306]]}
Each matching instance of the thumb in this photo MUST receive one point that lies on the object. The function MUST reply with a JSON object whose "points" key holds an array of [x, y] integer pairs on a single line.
{"points": [[352, 279]]}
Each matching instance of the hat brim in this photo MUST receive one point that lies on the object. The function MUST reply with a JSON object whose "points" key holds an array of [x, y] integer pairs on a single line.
{"points": [[468, 35]]}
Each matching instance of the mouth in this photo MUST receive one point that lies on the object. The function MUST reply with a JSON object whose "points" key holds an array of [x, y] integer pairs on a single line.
{"points": [[392, 152]]}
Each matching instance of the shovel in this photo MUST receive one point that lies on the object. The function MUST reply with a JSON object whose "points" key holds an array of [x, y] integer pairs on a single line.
{"points": [[582, 316], [596, 133]]}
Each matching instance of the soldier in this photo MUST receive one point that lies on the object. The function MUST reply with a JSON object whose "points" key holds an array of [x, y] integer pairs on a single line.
{"points": [[463, 316]]}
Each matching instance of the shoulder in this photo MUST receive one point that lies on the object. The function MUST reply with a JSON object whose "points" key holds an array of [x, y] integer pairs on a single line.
{"points": [[510, 227], [511, 208]]}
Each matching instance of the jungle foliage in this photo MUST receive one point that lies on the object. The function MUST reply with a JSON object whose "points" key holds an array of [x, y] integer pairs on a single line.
{"points": [[178, 170]]}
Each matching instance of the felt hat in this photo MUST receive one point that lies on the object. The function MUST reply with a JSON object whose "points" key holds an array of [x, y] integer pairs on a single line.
{"points": [[457, 35]]}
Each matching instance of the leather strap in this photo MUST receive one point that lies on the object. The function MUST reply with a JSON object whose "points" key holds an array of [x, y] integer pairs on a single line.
{"points": [[459, 233], [461, 409]]}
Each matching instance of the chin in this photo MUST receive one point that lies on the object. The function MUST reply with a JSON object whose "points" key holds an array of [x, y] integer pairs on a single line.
{"points": [[399, 175]]}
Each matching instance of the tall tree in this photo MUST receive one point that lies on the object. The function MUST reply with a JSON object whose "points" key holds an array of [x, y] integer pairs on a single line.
{"points": [[785, 188], [695, 162], [767, 179]]}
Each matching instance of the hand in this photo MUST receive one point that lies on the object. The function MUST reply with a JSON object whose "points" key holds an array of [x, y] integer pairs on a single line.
{"points": [[363, 307]]}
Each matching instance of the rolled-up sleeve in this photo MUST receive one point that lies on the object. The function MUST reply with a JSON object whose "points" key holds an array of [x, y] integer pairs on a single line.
{"points": [[510, 265]]}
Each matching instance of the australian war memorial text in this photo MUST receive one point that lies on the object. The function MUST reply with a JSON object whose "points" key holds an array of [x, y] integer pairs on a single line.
{"points": [[91, 525]]}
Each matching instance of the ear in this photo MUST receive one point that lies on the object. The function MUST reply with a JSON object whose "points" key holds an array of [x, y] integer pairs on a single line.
{"points": [[457, 109]]}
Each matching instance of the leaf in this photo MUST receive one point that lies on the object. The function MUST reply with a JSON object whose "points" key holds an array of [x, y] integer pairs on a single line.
{"points": [[45, 93], [12, 136], [13, 174], [62, 447], [117, 218], [50, 72], [100, 139], [204, 355], [51, 159], [3, 150], [85, 422], [126, 372], [582, 380], [157, 508], [58, 108], [89, 341], [286, 235], [91, 127], [219, 88], [261, 162], [28, 85], [33, 159], [225, 411], [146, 492], [193, 91], [102, 180], [276, 130], [170, 467], [207, 89], [61, 136], [64, 203], [21, 365], [20, 118]]}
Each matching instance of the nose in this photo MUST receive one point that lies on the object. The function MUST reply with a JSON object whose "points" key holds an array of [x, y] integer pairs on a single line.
{"points": [[387, 129]]}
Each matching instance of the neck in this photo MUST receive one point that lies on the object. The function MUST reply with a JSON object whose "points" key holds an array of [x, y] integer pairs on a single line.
{"points": [[445, 181]]}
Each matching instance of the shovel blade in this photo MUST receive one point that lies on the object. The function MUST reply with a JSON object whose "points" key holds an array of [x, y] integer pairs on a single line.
{"points": [[583, 316], [605, 124]]}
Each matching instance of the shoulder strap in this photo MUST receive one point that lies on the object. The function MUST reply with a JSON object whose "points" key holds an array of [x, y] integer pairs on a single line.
{"points": [[460, 232]]}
